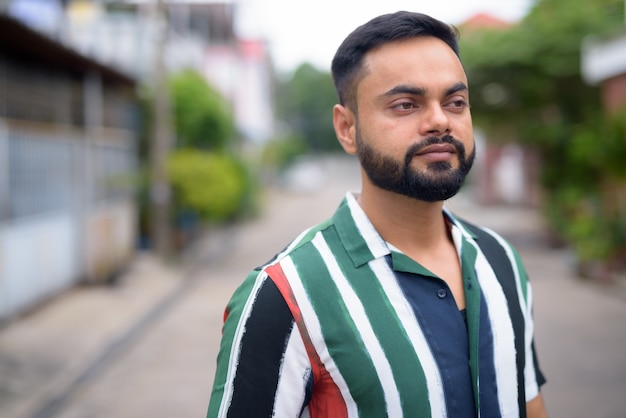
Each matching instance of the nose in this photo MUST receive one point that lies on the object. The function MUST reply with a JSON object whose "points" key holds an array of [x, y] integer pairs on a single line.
{"points": [[435, 121]]}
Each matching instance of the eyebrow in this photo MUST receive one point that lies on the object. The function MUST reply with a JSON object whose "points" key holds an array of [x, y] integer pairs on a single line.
{"points": [[418, 91], [456, 88]]}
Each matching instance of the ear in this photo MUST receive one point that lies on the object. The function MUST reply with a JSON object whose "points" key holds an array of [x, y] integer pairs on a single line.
{"points": [[344, 122]]}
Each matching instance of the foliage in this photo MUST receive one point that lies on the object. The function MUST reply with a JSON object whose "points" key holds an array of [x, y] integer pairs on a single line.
{"points": [[592, 198], [527, 79], [202, 118], [281, 152], [527, 85], [305, 104], [209, 184]]}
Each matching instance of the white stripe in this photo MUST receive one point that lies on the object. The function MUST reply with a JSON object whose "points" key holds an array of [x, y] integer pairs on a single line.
{"points": [[357, 312], [503, 335], [314, 329], [405, 313], [294, 373], [291, 245], [530, 377], [235, 349], [240, 330], [518, 282], [374, 241]]}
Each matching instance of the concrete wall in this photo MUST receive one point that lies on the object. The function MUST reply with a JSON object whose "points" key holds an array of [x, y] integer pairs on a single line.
{"points": [[38, 259], [45, 255]]}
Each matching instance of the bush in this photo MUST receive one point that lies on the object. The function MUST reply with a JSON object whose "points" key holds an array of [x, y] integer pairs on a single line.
{"points": [[202, 117], [587, 203], [211, 185]]}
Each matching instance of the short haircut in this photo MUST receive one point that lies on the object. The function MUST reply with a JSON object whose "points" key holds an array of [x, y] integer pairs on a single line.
{"points": [[347, 65]]}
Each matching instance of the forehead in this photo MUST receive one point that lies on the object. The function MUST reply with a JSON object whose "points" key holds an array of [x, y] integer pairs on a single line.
{"points": [[424, 62]]}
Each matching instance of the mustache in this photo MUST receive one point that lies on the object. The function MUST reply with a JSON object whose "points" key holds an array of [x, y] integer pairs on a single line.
{"points": [[432, 140]]}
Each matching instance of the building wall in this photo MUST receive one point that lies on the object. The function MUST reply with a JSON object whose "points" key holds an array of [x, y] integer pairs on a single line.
{"points": [[614, 93], [68, 212], [67, 158], [506, 174], [243, 76], [37, 260], [201, 37]]}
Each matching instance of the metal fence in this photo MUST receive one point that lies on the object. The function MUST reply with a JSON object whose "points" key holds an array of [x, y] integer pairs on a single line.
{"points": [[50, 169]]}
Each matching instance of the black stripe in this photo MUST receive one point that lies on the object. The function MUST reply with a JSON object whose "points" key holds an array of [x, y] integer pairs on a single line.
{"points": [[501, 264], [263, 345], [541, 380]]}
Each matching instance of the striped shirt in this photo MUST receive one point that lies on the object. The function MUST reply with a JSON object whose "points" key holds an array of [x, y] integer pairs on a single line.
{"points": [[341, 324]]}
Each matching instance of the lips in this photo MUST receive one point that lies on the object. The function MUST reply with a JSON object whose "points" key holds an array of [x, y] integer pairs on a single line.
{"points": [[436, 152], [437, 149]]}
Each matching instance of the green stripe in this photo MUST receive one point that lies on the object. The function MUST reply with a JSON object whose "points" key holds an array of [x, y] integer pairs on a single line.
{"points": [[389, 331], [351, 236], [522, 275], [341, 335], [404, 263], [472, 305], [310, 234], [235, 308]]}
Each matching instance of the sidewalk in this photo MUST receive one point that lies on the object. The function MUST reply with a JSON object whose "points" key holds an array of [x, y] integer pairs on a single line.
{"points": [[49, 350], [52, 350]]}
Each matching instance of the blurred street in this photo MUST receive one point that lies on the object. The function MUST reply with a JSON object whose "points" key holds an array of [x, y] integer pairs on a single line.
{"points": [[146, 347]]}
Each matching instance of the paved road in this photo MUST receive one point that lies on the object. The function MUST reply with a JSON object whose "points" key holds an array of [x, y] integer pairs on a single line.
{"points": [[168, 370]]}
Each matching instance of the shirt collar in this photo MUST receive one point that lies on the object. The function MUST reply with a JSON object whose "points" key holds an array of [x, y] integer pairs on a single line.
{"points": [[361, 240], [356, 232]]}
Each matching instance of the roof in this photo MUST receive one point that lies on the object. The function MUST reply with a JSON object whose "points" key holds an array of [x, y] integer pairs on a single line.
{"points": [[485, 21], [21, 42]]}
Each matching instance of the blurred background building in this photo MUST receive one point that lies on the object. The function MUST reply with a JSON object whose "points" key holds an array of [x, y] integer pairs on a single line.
{"points": [[201, 36], [73, 81], [604, 64], [67, 148], [71, 73]]}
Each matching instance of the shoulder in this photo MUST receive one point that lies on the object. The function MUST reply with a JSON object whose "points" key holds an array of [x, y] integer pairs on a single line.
{"points": [[299, 245]]}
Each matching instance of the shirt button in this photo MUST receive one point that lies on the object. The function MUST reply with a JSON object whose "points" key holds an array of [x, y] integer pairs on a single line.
{"points": [[442, 293]]}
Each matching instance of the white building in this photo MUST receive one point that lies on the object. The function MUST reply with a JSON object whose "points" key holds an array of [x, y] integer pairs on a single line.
{"points": [[201, 36], [68, 135]]}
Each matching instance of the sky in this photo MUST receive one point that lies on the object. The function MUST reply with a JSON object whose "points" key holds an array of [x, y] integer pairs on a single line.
{"points": [[300, 31]]}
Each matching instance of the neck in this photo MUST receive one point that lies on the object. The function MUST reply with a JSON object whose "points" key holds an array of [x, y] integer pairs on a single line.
{"points": [[407, 223]]}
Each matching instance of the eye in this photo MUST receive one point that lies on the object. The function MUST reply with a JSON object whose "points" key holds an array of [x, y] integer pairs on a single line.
{"points": [[457, 104], [405, 105]]}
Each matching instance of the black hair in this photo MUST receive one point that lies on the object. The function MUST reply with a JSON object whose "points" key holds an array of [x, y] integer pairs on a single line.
{"points": [[346, 66]]}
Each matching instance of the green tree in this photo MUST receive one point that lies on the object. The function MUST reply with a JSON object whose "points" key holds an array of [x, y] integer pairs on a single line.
{"points": [[527, 79], [527, 86], [211, 185], [305, 103], [208, 179], [202, 117]]}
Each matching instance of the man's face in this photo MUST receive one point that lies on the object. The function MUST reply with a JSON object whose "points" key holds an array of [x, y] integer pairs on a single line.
{"points": [[413, 129]]}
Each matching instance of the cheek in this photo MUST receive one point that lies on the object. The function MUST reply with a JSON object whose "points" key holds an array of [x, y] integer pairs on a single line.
{"points": [[387, 137], [464, 132]]}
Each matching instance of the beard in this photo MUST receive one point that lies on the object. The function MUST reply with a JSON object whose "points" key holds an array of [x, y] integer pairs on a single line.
{"points": [[437, 183]]}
